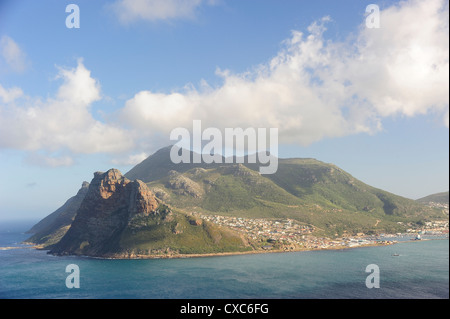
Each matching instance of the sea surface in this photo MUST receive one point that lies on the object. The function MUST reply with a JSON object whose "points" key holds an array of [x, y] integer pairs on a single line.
{"points": [[417, 269]]}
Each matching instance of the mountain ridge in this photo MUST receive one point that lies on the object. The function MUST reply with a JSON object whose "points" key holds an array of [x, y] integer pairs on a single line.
{"points": [[154, 208], [120, 218], [301, 189], [441, 198]]}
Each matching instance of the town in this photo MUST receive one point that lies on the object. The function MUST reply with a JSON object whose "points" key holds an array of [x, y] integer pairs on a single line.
{"points": [[287, 234]]}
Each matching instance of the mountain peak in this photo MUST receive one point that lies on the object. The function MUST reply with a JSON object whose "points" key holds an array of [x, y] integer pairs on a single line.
{"points": [[112, 173], [111, 201], [107, 183], [120, 215]]}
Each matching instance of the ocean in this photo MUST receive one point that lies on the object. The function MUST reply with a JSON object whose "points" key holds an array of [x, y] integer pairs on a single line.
{"points": [[409, 270]]}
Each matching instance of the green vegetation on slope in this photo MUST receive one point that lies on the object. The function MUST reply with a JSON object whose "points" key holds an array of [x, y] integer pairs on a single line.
{"points": [[178, 233], [307, 190], [441, 198]]}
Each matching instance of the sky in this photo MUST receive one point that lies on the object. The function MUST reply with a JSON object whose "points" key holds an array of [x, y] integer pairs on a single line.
{"points": [[371, 96]]}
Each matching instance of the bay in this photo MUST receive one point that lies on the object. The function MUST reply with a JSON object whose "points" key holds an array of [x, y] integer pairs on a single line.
{"points": [[407, 270]]}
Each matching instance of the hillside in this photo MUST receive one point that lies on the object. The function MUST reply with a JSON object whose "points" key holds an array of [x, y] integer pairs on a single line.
{"points": [[159, 165], [162, 209], [120, 218], [307, 190], [440, 198]]}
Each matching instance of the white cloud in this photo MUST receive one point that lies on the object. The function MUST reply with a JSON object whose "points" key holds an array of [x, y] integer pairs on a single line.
{"points": [[63, 122], [9, 95], [79, 88], [403, 67], [130, 159], [154, 10], [12, 54], [314, 88]]}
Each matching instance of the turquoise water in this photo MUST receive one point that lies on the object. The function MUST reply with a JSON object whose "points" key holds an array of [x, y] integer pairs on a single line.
{"points": [[420, 271]]}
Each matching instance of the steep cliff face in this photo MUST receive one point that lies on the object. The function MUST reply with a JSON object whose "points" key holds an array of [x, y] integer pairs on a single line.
{"points": [[119, 218], [109, 205]]}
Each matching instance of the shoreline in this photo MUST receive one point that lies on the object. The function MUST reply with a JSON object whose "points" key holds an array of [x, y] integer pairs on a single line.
{"points": [[195, 255], [221, 254], [252, 252]]}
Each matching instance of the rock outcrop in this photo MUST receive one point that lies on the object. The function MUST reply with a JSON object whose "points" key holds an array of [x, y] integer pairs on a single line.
{"points": [[109, 205], [183, 185], [120, 218]]}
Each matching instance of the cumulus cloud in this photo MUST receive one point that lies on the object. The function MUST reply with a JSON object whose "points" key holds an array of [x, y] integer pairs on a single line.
{"points": [[9, 95], [130, 159], [153, 10], [315, 88], [63, 122], [11, 53], [403, 67]]}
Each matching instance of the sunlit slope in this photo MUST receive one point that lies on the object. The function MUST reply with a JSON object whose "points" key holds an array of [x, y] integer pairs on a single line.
{"points": [[307, 190]]}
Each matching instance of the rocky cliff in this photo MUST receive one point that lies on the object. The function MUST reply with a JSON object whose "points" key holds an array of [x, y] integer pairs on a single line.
{"points": [[110, 203], [123, 218]]}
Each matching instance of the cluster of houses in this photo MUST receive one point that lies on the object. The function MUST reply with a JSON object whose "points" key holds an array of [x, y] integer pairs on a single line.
{"points": [[290, 233], [262, 228]]}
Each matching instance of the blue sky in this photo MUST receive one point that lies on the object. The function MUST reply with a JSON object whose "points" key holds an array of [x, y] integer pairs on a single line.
{"points": [[75, 101]]}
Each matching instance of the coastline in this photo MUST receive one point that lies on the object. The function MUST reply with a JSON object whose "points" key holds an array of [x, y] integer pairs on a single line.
{"points": [[254, 252], [178, 256], [132, 256], [175, 278]]}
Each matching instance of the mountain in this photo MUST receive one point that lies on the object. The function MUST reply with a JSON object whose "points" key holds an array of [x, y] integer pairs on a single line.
{"points": [[164, 209], [159, 165], [123, 218], [440, 198], [307, 190], [53, 227]]}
